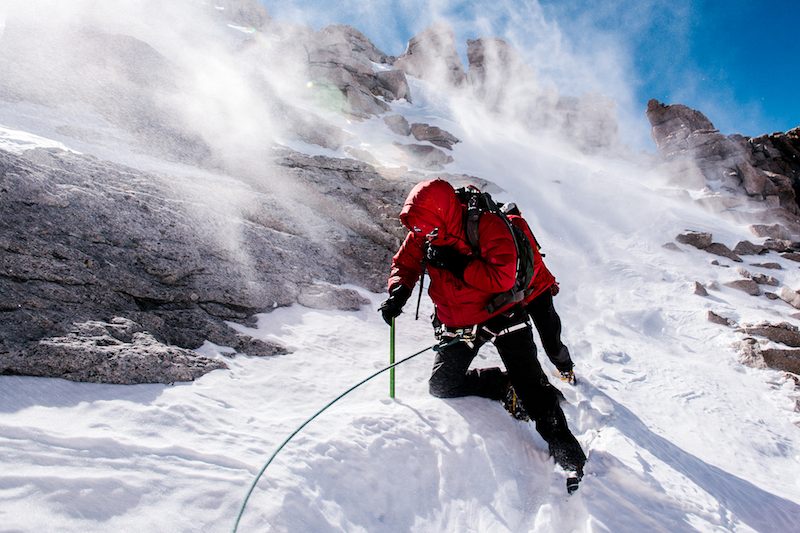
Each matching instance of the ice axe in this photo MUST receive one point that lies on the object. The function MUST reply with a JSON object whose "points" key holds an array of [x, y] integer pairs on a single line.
{"points": [[391, 360]]}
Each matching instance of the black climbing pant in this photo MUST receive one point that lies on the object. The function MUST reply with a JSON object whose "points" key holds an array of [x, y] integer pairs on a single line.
{"points": [[512, 336], [548, 324]]}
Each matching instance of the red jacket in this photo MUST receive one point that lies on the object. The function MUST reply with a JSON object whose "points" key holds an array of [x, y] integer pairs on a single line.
{"points": [[433, 213], [542, 278]]}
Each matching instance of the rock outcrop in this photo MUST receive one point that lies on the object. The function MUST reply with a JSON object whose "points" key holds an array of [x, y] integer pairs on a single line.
{"points": [[398, 124], [116, 352], [432, 56], [342, 57], [766, 168], [83, 241], [434, 135]]}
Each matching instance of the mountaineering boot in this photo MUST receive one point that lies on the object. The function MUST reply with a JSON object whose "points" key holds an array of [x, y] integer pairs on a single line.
{"points": [[568, 376], [569, 455], [513, 405]]}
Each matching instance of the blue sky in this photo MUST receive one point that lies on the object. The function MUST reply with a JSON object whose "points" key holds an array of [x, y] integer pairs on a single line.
{"points": [[737, 61]]}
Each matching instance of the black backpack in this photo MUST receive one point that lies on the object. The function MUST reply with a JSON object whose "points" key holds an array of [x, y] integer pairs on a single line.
{"points": [[477, 203]]}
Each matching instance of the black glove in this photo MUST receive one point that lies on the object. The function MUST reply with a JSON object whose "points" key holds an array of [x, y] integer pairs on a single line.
{"points": [[448, 258], [393, 305]]}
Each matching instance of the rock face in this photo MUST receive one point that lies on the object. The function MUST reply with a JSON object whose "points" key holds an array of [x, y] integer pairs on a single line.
{"points": [[432, 55], [766, 168], [398, 124], [117, 352], [699, 239], [434, 135], [342, 57], [84, 241]]}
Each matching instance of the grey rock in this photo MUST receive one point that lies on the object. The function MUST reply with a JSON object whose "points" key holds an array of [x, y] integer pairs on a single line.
{"points": [[94, 356], [783, 332], [773, 231], [772, 296], [320, 296], [790, 296], [752, 353], [717, 263], [746, 285], [671, 246], [110, 248], [719, 319], [398, 124], [792, 256], [395, 82], [434, 135], [257, 347], [698, 239], [786, 360], [432, 55], [357, 42], [699, 289], [360, 103], [342, 57], [766, 168], [425, 156], [763, 279], [779, 245], [772, 266], [748, 248], [720, 249]]}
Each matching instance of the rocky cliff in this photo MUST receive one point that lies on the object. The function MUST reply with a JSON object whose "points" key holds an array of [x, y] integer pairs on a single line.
{"points": [[87, 244], [765, 168]]}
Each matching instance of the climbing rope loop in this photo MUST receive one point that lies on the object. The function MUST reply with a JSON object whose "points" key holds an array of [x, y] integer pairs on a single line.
{"points": [[435, 347]]}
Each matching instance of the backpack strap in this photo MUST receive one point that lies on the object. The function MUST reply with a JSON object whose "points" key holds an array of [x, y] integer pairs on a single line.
{"points": [[477, 203]]}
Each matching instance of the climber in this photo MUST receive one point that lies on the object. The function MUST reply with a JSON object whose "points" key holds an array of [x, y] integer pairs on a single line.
{"points": [[464, 285]]}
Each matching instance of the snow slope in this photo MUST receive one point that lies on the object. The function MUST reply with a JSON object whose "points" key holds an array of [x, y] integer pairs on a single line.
{"points": [[680, 435]]}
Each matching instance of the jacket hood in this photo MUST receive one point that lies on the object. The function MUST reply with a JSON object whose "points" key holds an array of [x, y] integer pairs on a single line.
{"points": [[432, 206]]}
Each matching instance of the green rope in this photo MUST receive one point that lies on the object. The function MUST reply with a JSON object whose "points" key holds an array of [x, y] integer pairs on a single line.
{"points": [[304, 424]]}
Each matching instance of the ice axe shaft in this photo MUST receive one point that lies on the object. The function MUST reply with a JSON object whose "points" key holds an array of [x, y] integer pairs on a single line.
{"points": [[391, 360], [419, 296]]}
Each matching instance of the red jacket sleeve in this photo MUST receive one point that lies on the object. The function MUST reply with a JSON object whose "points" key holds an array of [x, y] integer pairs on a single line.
{"points": [[496, 268], [407, 262]]}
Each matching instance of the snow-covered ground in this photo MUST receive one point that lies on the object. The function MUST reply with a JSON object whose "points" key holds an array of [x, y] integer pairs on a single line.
{"points": [[680, 435]]}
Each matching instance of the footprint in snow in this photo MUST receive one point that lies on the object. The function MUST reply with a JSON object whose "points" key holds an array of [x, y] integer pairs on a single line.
{"points": [[615, 358]]}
